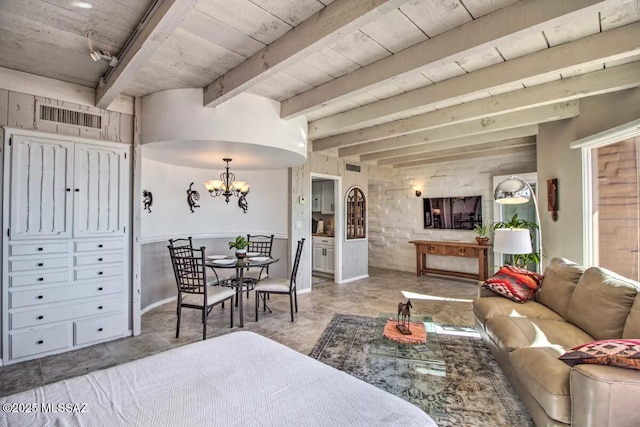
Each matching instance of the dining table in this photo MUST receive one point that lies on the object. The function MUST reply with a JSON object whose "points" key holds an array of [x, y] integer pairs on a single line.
{"points": [[240, 265]]}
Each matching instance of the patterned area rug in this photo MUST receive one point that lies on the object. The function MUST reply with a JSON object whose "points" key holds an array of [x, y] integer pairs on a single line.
{"points": [[472, 392]]}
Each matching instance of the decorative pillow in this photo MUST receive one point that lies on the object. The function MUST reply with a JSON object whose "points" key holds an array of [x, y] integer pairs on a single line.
{"points": [[621, 353], [514, 283]]}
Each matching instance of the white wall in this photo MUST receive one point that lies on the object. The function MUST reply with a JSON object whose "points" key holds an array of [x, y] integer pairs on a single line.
{"points": [[170, 215]]}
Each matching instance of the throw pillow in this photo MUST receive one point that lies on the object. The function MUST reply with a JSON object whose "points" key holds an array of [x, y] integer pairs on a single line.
{"points": [[514, 283], [621, 353]]}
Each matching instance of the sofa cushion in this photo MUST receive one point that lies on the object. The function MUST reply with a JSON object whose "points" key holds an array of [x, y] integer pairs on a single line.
{"points": [[512, 333], [632, 325], [620, 353], [560, 279], [546, 378], [488, 307], [515, 283], [601, 303]]}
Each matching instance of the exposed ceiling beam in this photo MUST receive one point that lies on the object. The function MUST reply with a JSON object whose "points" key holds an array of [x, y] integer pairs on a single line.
{"points": [[528, 149], [601, 47], [522, 17], [408, 153], [495, 145], [536, 115], [322, 29], [160, 25]]}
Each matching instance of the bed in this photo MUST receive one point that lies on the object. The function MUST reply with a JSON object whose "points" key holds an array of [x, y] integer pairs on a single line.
{"points": [[238, 379]]}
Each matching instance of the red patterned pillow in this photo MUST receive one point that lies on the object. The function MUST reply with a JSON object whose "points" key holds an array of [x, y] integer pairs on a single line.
{"points": [[621, 353], [514, 283]]}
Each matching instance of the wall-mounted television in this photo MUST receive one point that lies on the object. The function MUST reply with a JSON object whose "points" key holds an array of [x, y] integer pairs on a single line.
{"points": [[457, 213]]}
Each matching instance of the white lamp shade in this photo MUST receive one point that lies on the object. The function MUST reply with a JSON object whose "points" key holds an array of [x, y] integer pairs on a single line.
{"points": [[512, 241]]}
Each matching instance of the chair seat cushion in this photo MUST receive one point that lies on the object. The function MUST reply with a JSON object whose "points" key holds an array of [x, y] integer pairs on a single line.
{"points": [[215, 294], [273, 285]]}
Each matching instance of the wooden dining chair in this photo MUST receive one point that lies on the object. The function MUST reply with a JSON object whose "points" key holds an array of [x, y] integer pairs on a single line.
{"points": [[193, 291], [270, 285]]}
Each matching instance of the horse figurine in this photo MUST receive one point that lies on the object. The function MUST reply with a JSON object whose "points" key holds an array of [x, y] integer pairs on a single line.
{"points": [[404, 309]]}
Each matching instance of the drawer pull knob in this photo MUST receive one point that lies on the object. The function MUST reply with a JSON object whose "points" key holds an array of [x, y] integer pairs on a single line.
{"points": [[99, 289], [40, 296], [463, 251], [431, 248], [99, 307], [40, 317], [41, 249], [40, 279], [99, 259], [99, 273], [99, 329], [41, 342], [41, 264], [100, 245]]}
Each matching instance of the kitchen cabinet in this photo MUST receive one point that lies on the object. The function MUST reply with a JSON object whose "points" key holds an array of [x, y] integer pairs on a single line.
{"points": [[322, 197], [324, 254], [65, 274]]}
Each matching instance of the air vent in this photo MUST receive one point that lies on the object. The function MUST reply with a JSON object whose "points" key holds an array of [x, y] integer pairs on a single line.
{"points": [[352, 168], [69, 117]]}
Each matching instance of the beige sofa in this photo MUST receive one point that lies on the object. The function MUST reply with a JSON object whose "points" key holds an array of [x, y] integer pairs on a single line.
{"points": [[575, 305]]}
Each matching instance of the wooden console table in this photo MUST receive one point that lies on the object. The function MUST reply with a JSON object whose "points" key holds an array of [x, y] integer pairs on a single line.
{"points": [[457, 249]]}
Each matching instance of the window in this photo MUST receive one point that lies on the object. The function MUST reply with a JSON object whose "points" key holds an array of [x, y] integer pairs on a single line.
{"points": [[356, 214], [612, 185]]}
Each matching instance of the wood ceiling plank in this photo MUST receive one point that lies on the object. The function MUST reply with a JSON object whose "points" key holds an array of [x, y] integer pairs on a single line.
{"points": [[619, 15], [216, 32], [529, 149], [359, 48], [436, 17], [287, 85], [197, 50], [394, 31], [157, 29], [482, 60], [536, 115], [331, 62], [594, 49], [575, 30], [319, 31], [595, 83], [411, 82], [308, 74], [385, 91], [478, 8], [442, 71], [291, 12], [520, 46], [408, 153], [465, 40]]}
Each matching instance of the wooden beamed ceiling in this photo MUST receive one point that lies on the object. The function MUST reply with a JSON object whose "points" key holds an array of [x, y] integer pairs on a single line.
{"points": [[396, 83]]}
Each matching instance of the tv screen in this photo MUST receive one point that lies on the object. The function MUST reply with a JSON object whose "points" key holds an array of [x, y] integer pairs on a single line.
{"points": [[461, 213]]}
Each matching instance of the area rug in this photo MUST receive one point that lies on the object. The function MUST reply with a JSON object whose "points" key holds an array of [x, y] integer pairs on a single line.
{"points": [[472, 392]]}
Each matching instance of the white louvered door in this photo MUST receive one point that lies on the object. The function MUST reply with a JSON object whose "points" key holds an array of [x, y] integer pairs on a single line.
{"points": [[41, 179]]}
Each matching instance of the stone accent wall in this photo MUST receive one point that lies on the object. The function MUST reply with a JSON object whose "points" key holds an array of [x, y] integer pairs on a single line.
{"points": [[395, 213]]}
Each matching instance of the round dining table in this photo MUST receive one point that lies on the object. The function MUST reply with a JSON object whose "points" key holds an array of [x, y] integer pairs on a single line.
{"points": [[240, 264]]}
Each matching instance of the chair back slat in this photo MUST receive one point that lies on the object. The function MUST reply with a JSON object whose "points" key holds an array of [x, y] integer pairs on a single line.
{"points": [[189, 269], [181, 243], [260, 243], [296, 264]]}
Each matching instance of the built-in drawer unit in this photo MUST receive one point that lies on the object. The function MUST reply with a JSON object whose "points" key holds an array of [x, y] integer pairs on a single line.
{"points": [[98, 272], [31, 343], [39, 249], [37, 263], [98, 258], [325, 241], [44, 315], [97, 329], [99, 245], [26, 298], [39, 279]]}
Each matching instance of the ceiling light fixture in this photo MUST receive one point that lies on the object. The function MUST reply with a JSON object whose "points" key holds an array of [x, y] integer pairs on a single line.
{"points": [[227, 186], [103, 55], [83, 5]]}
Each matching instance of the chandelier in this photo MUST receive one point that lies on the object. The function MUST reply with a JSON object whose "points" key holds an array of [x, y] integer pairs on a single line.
{"points": [[227, 186]]}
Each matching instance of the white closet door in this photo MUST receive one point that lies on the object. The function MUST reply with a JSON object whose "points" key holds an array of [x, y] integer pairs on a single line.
{"points": [[99, 191], [41, 181]]}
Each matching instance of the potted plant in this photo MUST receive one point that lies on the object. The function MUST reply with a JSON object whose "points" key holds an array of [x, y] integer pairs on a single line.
{"points": [[240, 245], [481, 231], [521, 260]]}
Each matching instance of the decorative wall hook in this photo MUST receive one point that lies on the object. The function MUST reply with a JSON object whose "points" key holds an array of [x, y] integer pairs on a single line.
{"points": [[192, 197], [147, 199]]}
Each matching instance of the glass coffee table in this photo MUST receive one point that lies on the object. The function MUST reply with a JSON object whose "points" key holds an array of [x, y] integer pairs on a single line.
{"points": [[427, 357]]}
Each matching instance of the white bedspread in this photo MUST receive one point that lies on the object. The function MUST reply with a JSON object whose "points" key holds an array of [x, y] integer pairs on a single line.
{"points": [[239, 379]]}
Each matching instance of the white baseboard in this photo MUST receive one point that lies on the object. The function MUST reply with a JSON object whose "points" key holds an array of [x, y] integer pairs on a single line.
{"points": [[353, 279], [303, 291], [158, 304]]}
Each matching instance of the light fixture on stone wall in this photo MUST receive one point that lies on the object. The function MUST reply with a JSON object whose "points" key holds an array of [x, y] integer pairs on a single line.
{"points": [[227, 186]]}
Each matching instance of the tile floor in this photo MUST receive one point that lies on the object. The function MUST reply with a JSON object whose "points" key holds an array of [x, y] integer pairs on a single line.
{"points": [[446, 300]]}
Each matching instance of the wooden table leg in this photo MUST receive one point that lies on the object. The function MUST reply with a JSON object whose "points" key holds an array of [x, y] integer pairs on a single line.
{"points": [[418, 261]]}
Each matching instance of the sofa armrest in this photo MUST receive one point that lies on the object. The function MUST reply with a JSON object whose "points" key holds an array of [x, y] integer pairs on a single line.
{"points": [[604, 396], [484, 292]]}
